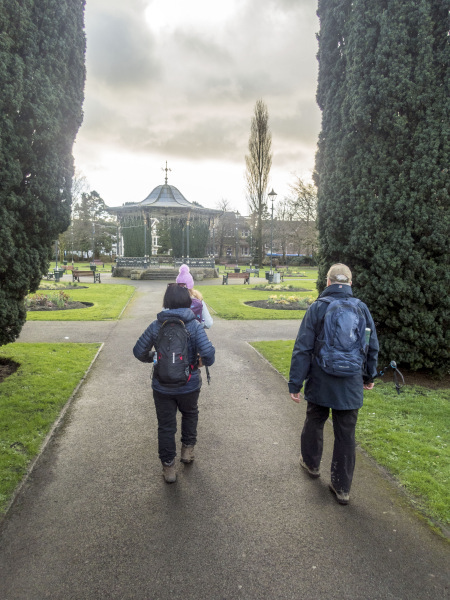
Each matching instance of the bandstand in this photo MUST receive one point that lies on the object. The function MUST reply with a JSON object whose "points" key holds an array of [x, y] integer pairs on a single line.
{"points": [[164, 203]]}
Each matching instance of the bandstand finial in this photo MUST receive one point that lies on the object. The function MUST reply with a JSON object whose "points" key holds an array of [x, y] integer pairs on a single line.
{"points": [[166, 170]]}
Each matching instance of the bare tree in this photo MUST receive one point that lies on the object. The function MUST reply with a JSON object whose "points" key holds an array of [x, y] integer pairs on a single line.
{"points": [[304, 207], [284, 226], [304, 200], [80, 186], [224, 226], [258, 163]]}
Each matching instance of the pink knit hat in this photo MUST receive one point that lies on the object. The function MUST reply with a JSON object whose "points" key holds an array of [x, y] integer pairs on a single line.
{"points": [[185, 277]]}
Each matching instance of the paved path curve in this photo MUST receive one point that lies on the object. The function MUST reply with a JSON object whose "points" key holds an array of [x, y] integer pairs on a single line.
{"points": [[96, 520]]}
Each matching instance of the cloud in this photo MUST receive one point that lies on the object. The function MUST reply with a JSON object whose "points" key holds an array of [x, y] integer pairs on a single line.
{"points": [[171, 79], [120, 48]]}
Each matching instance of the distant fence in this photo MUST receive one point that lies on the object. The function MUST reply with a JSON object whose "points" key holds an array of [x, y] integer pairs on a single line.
{"points": [[145, 262], [195, 262]]}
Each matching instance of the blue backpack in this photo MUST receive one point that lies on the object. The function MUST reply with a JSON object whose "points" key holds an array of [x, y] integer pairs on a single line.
{"points": [[341, 347]]}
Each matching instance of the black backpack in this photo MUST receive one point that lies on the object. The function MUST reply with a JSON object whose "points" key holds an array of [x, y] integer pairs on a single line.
{"points": [[172, 368]]}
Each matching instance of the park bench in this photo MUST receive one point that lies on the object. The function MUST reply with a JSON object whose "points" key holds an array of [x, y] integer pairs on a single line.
{"points": [[244, 276], [254, 271], [77, 274]]}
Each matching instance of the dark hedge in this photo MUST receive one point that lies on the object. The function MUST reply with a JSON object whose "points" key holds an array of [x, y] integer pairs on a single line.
{"points": [[42, 74], [382, 167]]}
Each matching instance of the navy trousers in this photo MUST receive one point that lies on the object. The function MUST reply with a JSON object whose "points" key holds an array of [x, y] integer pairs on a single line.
{"points": [[166, 411], [343, 461]]}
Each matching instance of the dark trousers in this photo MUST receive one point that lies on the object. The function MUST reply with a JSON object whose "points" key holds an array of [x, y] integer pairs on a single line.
{"points": [[343, 462], [166, 411]]}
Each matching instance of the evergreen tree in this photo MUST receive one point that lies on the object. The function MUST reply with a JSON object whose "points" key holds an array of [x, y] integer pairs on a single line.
{"points": [[177, 237], [164, 243], [42, 74], [93, 229], [198, 239], [135, 237], [382, 167]]}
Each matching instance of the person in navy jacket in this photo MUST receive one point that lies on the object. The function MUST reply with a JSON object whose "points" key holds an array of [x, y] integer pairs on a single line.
{"points": [[177, 302], [344, 395]]}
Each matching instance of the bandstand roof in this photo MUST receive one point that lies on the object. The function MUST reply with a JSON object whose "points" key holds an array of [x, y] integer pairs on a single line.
{"points": [[163, 200]]}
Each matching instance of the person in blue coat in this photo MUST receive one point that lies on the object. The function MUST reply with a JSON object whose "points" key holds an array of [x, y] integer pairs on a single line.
{"points": [[168, 401], [344, 395]]}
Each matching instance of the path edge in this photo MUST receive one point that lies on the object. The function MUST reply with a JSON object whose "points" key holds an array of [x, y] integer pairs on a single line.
{"points": [[48, 438], [408, 501]]}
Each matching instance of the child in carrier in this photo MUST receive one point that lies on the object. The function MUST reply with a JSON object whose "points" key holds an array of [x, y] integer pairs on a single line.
{"points": [[198, 306], [179, 340]]}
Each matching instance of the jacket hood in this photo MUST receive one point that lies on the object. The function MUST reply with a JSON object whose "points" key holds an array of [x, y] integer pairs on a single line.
{"points": [[185, 314], [337, 289]]}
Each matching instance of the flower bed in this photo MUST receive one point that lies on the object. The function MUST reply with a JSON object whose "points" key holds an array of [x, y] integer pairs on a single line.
{"points": [[57, 300], [283, 302]]}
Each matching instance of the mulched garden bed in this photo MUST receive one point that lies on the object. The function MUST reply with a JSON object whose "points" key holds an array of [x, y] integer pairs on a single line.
{"points": [[7, 368], [420, 378], [69, 306]]}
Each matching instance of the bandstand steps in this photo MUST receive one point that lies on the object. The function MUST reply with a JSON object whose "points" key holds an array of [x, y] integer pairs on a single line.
{"points": [[160, 274]]}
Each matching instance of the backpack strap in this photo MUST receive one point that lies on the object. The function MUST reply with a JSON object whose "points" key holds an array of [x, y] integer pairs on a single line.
{"points": [[327, 300]]}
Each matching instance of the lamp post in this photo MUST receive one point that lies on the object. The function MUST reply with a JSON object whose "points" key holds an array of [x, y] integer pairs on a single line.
{"points": [[145, 236], [272, 196], [236, 240]]}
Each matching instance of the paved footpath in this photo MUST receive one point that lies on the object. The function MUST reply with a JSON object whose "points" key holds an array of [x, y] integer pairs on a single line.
{"points": [[96, 520]]}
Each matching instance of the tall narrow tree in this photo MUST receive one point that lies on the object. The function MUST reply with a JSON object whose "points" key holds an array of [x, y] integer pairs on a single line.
{"points": [[258, 163], [42, 48], [382, 167]]}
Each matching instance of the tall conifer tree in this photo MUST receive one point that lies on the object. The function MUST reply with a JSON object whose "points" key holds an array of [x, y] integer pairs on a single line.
{"points": [[382, 167], [258, 164], [42, 73]]}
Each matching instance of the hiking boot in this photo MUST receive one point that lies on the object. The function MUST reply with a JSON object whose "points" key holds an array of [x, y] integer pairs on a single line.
{"points": [[169, 471], [341, 497], [187, 454], [314, 473]]}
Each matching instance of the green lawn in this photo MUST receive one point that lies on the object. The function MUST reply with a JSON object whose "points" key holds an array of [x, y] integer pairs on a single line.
{"points": [[31, 400], [227, 301], [109, 301], [408, 434]]}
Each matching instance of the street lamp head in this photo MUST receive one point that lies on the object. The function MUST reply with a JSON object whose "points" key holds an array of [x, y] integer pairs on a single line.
{"points": [[272, 195]]}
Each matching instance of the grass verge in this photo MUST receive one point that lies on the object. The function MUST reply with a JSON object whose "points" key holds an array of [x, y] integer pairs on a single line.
{"points": [[228, 301], [408, 434], [109, 301], [31, 400]]}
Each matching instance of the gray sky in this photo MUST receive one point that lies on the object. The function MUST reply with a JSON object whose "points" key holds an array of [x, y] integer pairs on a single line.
{"points": [[177, 80]]}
